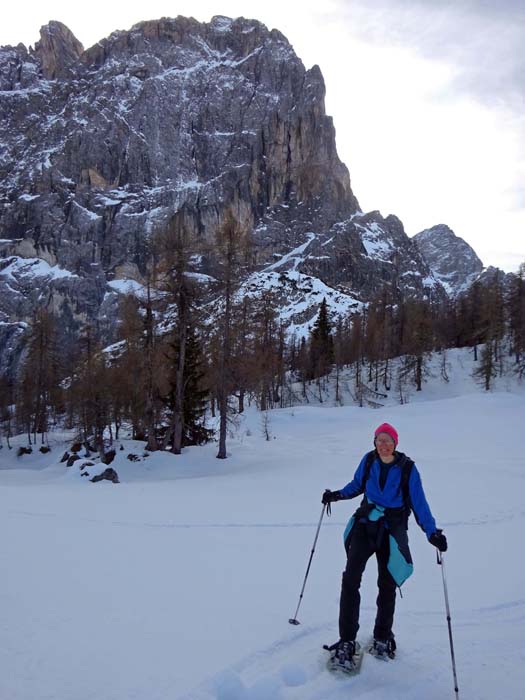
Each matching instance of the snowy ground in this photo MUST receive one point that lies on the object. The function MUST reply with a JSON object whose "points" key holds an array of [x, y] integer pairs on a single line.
{"points": [[177, 584]]}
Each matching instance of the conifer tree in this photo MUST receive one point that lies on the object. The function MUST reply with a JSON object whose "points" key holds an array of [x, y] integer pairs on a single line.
{"points": [[417, 339], [321, 344], [516, 316], [473, 320], [339, 342], [486, 370], [176, 248], [233, 246], [138, 368], [39, 388], [243, 368], [89, 389], [516, 306], [130, 366], [6, 401], [279, 359], [266, 352], [195, 394], [303, 365], [151, 394]]}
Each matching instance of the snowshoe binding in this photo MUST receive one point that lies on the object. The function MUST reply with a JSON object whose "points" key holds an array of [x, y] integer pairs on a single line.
{"points": [[383, 650], [345, 657]]}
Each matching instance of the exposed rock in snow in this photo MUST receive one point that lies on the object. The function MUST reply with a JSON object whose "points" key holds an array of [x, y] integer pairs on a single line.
{"points": [[453, 262]]}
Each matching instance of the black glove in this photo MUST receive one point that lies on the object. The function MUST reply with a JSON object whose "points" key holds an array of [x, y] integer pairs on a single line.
{"points": [[439, 540], [330, 497]]}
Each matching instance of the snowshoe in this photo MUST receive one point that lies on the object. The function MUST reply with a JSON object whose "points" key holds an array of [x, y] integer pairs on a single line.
{"points": [[345, 657], [383, 650]]}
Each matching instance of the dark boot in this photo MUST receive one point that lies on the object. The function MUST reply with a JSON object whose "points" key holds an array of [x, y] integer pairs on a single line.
{"points": [[384, 650], [342, 655]]}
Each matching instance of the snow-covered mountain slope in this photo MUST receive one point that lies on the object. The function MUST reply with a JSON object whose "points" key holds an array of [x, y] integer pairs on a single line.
{"points": [[179, 581], [452, 260]]}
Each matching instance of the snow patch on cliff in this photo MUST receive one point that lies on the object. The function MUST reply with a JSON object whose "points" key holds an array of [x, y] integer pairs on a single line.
{"points": [[33, 267]]}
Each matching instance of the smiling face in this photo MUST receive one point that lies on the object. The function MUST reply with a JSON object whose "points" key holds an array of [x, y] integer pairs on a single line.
{"points": [[385, 447]]}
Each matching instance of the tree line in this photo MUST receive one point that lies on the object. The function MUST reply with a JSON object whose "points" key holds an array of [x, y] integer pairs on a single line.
{"points": [[489, 318], [193, 350]]}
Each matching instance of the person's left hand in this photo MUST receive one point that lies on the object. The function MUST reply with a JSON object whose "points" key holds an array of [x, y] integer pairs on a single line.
{"points": [[439, 540]]}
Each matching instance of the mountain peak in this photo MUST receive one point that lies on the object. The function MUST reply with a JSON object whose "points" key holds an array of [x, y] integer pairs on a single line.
{"points": [[57, 50], [452, 260]]}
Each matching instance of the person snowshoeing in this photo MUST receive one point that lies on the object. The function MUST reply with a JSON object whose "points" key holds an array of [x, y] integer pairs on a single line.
{"points": [[392, 488]]}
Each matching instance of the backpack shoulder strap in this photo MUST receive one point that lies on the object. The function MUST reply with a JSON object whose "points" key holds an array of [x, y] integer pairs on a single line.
{"points": [[368, 466], [406, 465]]}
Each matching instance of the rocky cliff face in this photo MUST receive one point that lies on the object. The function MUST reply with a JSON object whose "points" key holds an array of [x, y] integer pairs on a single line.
{"points": [[57, 51], [100, 147], [452, 261]]}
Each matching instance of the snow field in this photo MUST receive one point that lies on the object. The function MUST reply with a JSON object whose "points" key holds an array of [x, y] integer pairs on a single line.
{"points": [[177, 584]]}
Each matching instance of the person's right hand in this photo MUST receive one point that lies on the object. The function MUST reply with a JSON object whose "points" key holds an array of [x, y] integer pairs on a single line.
{"points": [[439, 540], [330, 497]]}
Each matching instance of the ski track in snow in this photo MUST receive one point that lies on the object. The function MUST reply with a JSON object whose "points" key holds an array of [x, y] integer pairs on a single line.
{"points": [[487, 519], [294, 668]]}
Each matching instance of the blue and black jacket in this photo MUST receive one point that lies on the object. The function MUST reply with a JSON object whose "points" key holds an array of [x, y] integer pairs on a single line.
{"points": [[388, 500]]}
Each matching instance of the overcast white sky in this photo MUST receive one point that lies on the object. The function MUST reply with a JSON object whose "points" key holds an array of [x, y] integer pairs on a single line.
{"points": [[427, 96]]}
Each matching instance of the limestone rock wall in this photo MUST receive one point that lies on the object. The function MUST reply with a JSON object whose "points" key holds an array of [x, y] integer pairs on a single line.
{"points": [[98, 149]]}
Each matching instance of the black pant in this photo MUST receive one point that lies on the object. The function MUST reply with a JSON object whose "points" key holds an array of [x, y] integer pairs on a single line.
{"points": [[366, 539]]}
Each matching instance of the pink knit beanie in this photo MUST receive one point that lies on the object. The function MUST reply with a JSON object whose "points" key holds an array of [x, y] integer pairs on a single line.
{"points": [[389, 430]]}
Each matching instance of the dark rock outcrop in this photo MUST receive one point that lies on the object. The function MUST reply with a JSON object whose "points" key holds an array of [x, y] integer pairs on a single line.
{"points": [[108, 474], [57, 50], [108, 457]]}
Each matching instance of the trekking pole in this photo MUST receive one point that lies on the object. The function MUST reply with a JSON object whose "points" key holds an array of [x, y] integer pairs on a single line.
{"points": [[441, 563], [293, 620]]}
